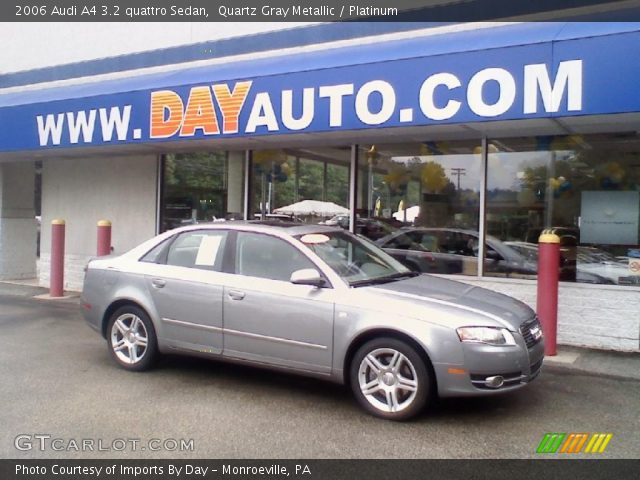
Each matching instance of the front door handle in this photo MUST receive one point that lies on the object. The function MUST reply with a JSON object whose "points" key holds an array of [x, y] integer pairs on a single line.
{"points": [[158, 282], [236, 295]]}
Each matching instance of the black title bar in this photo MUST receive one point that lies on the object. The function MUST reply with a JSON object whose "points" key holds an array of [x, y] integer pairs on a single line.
{"points": [[314, 10], [319, 469]]}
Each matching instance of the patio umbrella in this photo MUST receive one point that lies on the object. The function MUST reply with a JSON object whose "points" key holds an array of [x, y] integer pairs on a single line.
{"points": [[412, 213], [313, 207]]}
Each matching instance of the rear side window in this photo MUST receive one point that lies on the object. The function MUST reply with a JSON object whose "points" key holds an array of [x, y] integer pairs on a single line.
{"points": [[155, 255], [202, 249]]}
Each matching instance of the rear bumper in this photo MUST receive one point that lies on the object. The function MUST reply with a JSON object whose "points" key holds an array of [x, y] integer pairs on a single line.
{"points": [[91, 315]]}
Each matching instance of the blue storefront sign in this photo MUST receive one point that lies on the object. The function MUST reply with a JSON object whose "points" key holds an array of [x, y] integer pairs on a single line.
{"points": [[588, 75]]}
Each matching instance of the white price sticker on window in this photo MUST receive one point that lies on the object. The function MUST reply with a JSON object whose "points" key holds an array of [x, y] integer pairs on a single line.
{"points": [[208, 251]]}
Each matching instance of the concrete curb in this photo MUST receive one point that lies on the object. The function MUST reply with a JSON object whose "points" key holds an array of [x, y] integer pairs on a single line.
{"points": [[20, 290], [556, 368], [595, 363], [67, 296]]}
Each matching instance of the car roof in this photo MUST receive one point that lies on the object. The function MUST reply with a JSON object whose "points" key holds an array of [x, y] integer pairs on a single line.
{"points": [[490, 239], [441, 229], [263, 226]]}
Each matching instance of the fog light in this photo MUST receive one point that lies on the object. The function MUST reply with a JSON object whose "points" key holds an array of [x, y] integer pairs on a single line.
{"points": [[494, 382]]}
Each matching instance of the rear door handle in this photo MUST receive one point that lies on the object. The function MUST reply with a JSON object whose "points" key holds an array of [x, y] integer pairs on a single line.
{"points": [[158, 282], [236, 294]]}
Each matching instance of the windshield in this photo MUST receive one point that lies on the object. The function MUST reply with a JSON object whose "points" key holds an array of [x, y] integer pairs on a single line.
{"points": [[358, 262]]}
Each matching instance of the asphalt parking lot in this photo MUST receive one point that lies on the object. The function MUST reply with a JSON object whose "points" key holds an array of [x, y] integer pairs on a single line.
{"points": [[58, 380]]}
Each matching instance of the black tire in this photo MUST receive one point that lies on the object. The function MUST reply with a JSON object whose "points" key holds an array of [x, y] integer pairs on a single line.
{"points": [[411, 368], [129, 336]]}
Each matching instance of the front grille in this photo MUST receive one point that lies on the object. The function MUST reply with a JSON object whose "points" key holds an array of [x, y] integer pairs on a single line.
{"points": [[525, 330]]}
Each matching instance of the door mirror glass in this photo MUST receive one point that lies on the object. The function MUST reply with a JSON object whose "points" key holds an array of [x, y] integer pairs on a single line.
{"points": [[493, 255], [307, 276]]}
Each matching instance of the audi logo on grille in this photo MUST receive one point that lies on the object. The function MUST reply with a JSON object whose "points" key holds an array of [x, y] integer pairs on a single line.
{"points": [[536, 332]]}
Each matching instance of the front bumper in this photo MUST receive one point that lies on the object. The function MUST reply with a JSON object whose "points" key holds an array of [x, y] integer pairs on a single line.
{"points": [[518, 365]]}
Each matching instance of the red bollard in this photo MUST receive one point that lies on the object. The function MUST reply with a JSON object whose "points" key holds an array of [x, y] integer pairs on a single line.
{"points": [[56, 282], [548, 278], [104, 237]]}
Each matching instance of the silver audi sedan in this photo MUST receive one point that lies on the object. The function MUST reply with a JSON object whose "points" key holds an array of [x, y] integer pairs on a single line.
{"points": [[315, 300]]}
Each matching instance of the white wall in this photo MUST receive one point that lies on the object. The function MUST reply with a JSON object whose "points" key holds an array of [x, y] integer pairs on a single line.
{"points": [[17, 221], [83, 191], [594, 316]]}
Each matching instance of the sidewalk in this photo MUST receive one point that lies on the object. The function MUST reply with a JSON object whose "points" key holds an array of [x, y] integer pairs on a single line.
{"points": [[30, 288], [573, 360], [595, 362]]}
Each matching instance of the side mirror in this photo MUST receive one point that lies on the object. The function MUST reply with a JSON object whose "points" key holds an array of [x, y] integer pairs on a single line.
{"points": [[307, 276], [493, 255]]}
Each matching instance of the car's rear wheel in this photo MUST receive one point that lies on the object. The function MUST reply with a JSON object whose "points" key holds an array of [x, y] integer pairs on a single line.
{"points": [[390, 379], [132, 339]]}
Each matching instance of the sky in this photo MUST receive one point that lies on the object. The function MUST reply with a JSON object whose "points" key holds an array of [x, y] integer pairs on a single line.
{"points": [[26, 46]]}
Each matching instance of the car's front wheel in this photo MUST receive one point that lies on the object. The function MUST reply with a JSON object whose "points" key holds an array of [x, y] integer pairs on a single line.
{"points": [[390, 379], [131, 338]]}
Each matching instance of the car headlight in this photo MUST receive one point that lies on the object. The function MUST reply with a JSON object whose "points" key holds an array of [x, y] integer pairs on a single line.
{"points": [[489, 335]]}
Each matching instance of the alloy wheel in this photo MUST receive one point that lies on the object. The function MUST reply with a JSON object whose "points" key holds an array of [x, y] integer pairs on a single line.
{"points": [[388, 380], [129, 338]]}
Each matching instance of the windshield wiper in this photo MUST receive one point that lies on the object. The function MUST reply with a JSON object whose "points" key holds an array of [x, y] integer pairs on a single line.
{"points": [[385, 279]]}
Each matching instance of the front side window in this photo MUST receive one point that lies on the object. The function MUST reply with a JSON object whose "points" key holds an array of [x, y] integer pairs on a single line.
{"points": [[202, 249], [412, 240], [264, 256], [357, 262]]}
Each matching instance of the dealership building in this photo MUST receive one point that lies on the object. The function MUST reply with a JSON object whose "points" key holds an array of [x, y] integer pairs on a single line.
{"points": [[478, 135]]}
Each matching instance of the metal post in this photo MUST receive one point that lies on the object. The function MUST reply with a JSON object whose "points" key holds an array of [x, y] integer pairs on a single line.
{"points": [[159, 192], [104, 238], [548, 222], [370, 190], [296, 191], [56, 282], [482, 221], [324, 181], [248, 166], [548, 278], [353, 188]]}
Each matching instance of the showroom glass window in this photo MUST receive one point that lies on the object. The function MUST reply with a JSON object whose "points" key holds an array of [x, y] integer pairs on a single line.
{"points": [[585, 187], [432, 189], [280, 179], [201, 187]]}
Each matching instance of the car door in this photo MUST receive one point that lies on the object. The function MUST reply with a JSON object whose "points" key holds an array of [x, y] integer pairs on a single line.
{"points": [[186, 285], [267, 318]]}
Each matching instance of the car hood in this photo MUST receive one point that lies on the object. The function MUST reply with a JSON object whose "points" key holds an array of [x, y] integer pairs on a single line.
{"points": [[432, 290]]}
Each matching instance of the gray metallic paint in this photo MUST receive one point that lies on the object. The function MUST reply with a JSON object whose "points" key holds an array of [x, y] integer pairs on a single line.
{"points": [[426, 309]]}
